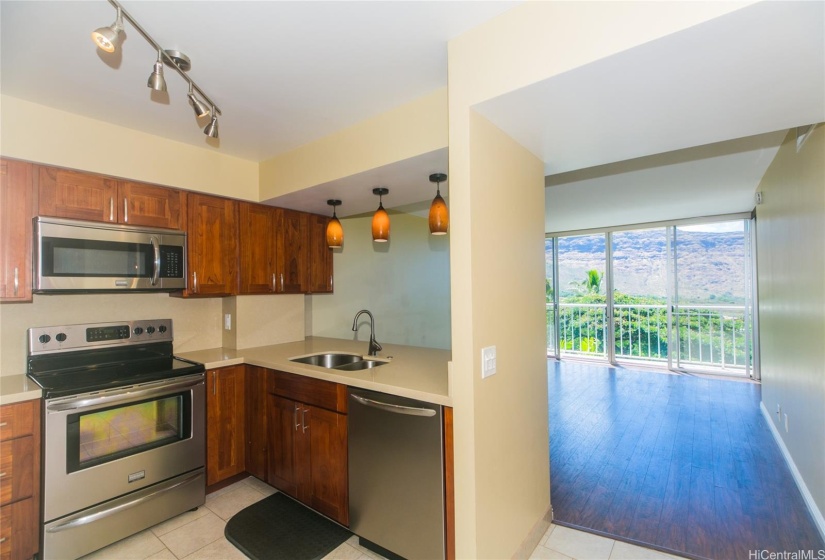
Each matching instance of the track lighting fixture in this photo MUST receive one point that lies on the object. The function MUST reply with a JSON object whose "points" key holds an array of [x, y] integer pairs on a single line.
{"points": [[380, 220], [109, 38], [335, 232], [201, 110], [211, 129], [439, 215], [156, 80]]}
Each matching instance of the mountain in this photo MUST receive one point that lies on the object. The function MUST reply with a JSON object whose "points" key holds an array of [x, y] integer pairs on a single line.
{"points": [[712, 267]]}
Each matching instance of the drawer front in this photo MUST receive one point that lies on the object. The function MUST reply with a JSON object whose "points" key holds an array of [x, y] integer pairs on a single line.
{"points": [[19, 530], [324, 394], [17, 420], [16, 469]]}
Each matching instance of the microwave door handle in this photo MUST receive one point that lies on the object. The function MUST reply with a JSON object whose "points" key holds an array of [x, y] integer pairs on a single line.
{"points": [[156, 246]]}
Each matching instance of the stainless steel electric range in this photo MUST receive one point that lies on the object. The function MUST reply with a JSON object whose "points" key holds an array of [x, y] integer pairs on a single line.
{"points": [[123, 431]]}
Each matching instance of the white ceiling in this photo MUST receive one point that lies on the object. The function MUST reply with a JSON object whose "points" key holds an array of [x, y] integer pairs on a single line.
{"points": [[286, 73]]}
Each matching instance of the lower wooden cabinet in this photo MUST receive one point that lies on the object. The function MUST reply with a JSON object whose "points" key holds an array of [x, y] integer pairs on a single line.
{"points": [[308, 445], [256, 421], [20, 481], [225, 419]]}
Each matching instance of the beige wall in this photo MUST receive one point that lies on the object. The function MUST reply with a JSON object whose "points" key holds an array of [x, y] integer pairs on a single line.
{"points": [[417, 128], [196, 321], [791, 268], [261, 320], [41, 134], [405, 283]]}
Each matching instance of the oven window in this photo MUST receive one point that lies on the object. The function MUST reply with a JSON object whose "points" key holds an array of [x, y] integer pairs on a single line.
{"points": [[104, 435]]}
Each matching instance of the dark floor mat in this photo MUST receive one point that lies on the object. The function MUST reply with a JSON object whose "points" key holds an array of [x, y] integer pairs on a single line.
{"points": [[279, 528]]}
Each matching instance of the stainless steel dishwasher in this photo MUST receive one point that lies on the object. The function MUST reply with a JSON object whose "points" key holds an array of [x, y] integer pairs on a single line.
{"points": [[396, 474]]}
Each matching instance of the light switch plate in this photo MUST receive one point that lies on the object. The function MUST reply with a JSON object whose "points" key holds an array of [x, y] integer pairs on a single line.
{"points": [[227, 322], [488, 361]]}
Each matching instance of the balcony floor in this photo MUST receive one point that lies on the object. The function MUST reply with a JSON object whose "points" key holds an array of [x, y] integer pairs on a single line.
{"points": [[686, 464]]}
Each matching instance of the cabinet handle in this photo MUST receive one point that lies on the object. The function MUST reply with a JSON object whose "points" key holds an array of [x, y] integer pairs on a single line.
{"points": [[330, 282], [2, 474], [16, 280], [295, 417], [125, 210], [111, 209], [195, 282], [282, 281], [3, 424], [274, 287], [214, 383], [303, 419], [2, 540]]}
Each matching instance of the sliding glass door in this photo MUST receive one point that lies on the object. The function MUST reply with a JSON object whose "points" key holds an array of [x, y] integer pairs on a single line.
{"points": [[675, 295]]}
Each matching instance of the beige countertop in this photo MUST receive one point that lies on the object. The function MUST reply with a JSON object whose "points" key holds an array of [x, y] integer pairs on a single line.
{"points": [[413, 372], [18, 388]]}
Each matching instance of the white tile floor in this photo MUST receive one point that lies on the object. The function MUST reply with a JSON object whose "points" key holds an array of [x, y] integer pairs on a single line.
{"points": [[198, 535]]}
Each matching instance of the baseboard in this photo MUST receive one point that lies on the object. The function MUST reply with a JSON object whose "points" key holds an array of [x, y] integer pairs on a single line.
{"points": [[819, 520]]}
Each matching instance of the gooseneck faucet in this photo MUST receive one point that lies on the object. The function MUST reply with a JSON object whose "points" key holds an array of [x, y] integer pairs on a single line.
{"points": [[374, 346]]}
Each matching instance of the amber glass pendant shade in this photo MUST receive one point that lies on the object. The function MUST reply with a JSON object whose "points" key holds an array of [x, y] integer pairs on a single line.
{"points": [[335, 231], [380, 220], [439, 214]]}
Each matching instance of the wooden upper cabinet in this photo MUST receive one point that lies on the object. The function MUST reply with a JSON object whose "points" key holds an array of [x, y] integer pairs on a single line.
{"points": [[81, 196], [291, 251], [257, 248], [86, 196], [212, 249], [16, 212], [151, 206], [320, 256]]}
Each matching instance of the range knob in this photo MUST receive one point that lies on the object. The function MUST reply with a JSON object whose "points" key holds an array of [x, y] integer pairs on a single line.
{"points": [[61, 337], [44, 338], [162, 329], [138, 331], [150, 330]]}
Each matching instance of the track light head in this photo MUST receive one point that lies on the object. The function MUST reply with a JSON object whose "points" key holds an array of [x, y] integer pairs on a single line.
{"points": [[108, 38], [200, 108], [211, 129], [156, 80]]}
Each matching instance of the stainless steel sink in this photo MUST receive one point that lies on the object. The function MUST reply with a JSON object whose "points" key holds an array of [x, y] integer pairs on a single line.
{"points": [[339, 361], [363, 364]]}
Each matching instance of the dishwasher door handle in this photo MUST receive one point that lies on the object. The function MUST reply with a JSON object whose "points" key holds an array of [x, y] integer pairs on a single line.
{"points": [[394, 408]]}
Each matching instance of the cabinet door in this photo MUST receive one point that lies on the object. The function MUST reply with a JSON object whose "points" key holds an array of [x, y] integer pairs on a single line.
{"points": [[19, 530], [16, 212], [82, 196], [225, 441], [148, 205], [256, 443], [320, 256], [327, 437], [291, 264], [213, 254], [283, 424], [257, 248]]}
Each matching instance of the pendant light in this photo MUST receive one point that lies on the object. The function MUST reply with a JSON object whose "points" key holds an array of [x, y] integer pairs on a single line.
{"points": [[439, 214], [380, 220], [335, 232]]}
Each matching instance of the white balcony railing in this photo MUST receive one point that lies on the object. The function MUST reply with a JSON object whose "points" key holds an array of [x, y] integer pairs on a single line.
{"points": [[709, 336]]}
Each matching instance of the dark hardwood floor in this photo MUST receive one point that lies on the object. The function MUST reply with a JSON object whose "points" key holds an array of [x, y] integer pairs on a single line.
{"points": [[683, 463]]}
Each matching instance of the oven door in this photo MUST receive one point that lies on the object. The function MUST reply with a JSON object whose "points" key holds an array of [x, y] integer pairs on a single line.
{"points": [[104, 445]]}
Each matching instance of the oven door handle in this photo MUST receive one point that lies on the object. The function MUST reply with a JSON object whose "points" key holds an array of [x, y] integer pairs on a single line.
{"points": [[122, 396], [92, 517]]}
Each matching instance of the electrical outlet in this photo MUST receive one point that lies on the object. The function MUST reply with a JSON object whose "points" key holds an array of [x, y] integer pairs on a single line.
{"points": [[786, 421], [488, 361], [227, 322]]}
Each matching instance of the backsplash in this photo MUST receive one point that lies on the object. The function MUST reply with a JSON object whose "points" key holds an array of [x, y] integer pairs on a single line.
{"points": [[197, 322]]}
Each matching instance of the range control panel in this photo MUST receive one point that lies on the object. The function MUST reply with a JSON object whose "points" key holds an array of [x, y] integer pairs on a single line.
{"points": [[61, 338]]}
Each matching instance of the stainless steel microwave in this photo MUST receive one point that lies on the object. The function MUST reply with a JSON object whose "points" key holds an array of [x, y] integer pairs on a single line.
{"points": [[76, 256]]}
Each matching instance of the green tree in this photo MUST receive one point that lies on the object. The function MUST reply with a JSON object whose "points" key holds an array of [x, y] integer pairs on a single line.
{"points": [[592, 283]]}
